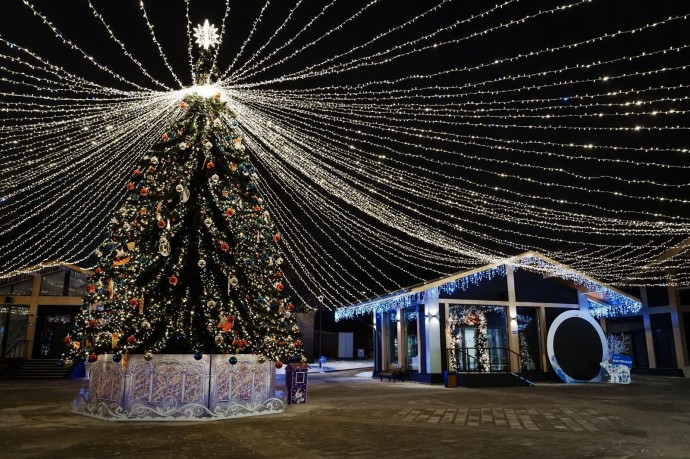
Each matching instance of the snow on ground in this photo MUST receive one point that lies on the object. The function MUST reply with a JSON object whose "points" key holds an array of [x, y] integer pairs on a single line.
{"points": [[337, 365]]}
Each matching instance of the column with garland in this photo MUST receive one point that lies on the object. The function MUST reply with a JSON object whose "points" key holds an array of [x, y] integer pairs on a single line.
{"points": [[192, 262]]}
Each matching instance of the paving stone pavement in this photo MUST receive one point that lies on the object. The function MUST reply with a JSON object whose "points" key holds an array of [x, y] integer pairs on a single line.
{"points": [[346, 416]]}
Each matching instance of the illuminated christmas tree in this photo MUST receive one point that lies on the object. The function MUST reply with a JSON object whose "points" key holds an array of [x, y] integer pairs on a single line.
{"points": [[192, 264]]}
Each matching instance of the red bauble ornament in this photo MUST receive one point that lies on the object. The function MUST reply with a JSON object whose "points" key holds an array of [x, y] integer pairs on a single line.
{"points": [[67, 340], [144, 191], [161, 224], [279, 287], [290, 307], [92, 358], [183, 105], [98, 270], [278, 274], [233, 167], [235, 342], [136, 172], [242, 344], [256, 208], [276, 237], [130, 186], [90, 289], [224, 246], [131, 339], [92, 323], [298, 343], [217, 96], [151, 169], [210, 165], [172, 280], [282, 342], [229, 212], [279, 364], [133, 302], [164, 136]]}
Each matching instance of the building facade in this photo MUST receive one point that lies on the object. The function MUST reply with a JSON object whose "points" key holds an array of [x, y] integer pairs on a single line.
{"points": [[37, 305], [497, 318]]}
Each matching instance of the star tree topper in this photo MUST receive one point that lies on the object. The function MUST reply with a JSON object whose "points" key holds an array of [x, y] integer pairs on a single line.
{"points": [[206, 35]]}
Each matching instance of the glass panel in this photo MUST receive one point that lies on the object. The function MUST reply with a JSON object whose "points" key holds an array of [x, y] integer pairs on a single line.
{"points": [[53, 284], [529, 338], [410, 330], [14, 326], [18, 288], [664, 345], [478, 338], [77, 283], [391, 319], [633, 329]]}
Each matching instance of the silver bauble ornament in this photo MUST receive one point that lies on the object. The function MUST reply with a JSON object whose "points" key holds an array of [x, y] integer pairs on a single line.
{"points": [[148, 356], [179, 188], [208, 222], [202, 263], [215, 178]]}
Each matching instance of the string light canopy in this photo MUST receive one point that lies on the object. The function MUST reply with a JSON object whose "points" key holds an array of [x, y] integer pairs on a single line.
{"points": [[392, 145]]}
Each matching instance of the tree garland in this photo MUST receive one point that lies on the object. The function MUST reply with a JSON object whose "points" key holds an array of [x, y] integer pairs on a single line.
{"points": [[473, 317]]}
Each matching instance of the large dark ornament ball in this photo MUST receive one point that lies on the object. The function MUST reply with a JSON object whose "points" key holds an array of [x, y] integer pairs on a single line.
{"points": [[232, 360], [92, 358], [117, 357], [198, 355]]}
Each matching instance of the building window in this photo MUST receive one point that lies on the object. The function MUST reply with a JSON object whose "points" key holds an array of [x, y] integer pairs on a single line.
{"points": [[529, 338], [478, 338], [23, 288], [53, 284], [411, 338], [391, 336], [13, 322], [631, 328], [77, 283], [664, 344]]}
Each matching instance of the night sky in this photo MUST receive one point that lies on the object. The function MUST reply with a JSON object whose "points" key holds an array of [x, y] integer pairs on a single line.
{"points": [[484, 41]]}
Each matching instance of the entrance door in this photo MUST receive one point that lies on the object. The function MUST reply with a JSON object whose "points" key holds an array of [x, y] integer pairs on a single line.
{"points": [[52, 325], [467, 352]]}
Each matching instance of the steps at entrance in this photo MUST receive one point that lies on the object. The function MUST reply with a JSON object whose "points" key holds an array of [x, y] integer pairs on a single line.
{"points": [[41, 369], [492, 380]]}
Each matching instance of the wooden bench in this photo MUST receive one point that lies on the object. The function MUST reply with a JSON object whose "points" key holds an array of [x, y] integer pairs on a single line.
{"points": [[394, 370]]}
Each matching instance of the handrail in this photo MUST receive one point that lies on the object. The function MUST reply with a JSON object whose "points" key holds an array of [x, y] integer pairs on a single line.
{"points": [[470, 362], [17, 350]]}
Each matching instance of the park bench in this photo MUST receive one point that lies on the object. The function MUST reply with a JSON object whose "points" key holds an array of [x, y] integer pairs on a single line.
{"points": [[394, 370]]}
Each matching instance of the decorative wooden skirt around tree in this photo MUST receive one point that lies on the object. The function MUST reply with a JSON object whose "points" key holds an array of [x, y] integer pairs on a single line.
{"points": [[173, 387]]}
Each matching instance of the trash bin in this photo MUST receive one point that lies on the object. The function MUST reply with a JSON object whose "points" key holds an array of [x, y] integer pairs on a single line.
{"points": [[450, 379], [296, 382]]}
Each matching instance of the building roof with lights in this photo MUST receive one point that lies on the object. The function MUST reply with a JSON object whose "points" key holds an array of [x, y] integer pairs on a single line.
{"points": [[604, 300]]}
